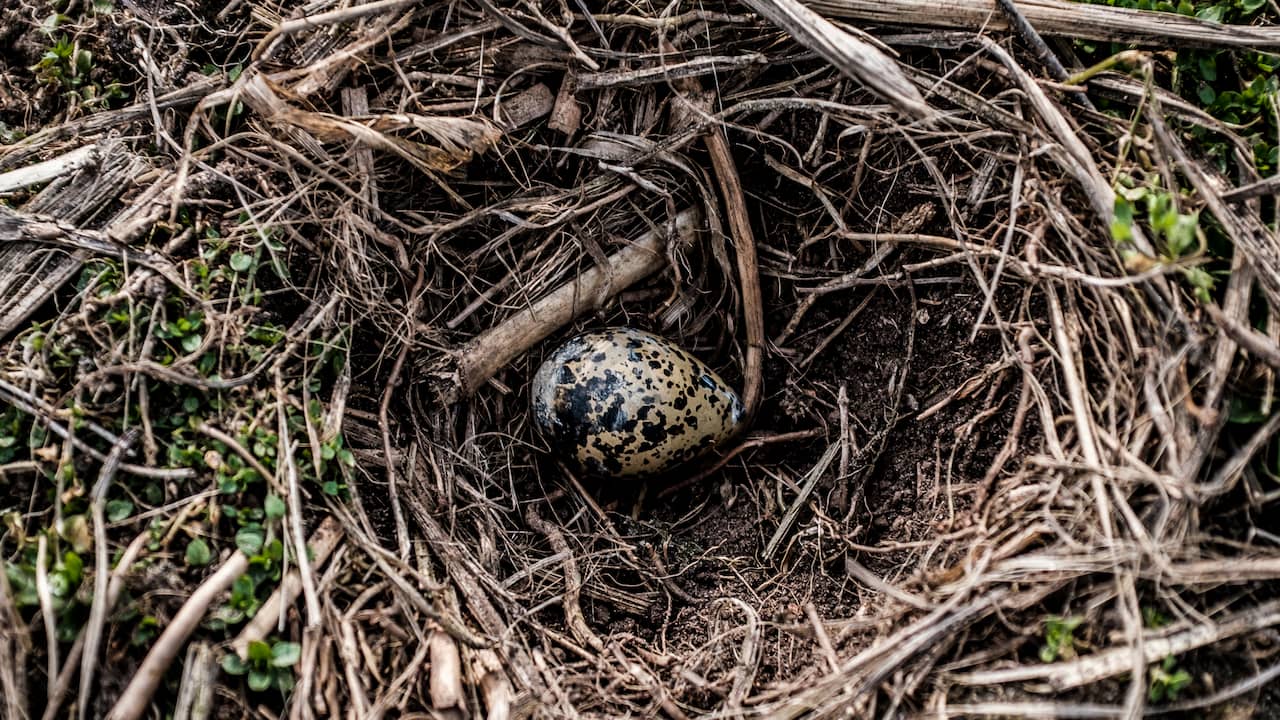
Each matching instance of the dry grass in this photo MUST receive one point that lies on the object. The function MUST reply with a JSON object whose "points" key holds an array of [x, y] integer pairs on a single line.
{"points": [[978, 410]]}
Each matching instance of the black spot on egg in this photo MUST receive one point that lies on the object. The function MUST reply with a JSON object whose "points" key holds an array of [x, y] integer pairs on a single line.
{"points": [[625, 403]]}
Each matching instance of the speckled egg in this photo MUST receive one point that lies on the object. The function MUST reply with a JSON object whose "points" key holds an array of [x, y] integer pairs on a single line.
{"points": [[626, 403]]}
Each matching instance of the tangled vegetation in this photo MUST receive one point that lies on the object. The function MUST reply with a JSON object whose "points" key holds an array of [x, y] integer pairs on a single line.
{"points": [[1001, 282]]}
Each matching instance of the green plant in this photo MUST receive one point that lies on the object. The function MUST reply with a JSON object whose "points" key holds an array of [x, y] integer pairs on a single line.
{"points": [[1178, 233], [145, 631], [198, 553], [1152, 618], [63, 64], [1059, 638], [1167, 680], [1235, 87], [266, 665], [186, 332], [13, 424], [66, 576]]}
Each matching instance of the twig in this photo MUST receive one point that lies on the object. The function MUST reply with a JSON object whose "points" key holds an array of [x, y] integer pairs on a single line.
{"points": [[748, 664], [748, 272], [482, 357], [877, 583], [1258, 188], [384, 419], [98, 610], [43, 172], [1053, 711], [297, 527], [1076, 160], [44, 413], [14, 646], [696, 67], [46, 609], [114, 588], [643, 674], [747, 444], [1044, 54], [355, 12], [238, 448], [808, 483], [1115, 661], [1254, 342], [824, 640], [1225, 477], [136, 697], [322, 543], [1059, 18], [19, 227], [199, 678], [572, 579], [445, 684], [839, 329], [855, 57]]}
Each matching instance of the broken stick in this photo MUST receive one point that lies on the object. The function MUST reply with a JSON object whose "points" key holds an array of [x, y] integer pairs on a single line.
{"points": [[492, 350]]}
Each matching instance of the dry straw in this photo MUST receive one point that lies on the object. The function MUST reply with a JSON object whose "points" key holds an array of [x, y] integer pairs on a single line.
{"points": [[781, 189]]}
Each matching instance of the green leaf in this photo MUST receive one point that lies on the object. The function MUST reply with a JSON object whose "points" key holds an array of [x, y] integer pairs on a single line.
{"points": [[118, 510], [198, 553], [284, 680], [274, 506], [1241, 412], [274, 550], [250, 540], [241, 262], [145, 632], [285, 654], [1208, 68], [72, 567], [84, 62], [259, 652], [51, 23], [1201, 280], [259, 680], [1121, 232], [233, 665], [1213, 13], [1182, 234], [191, 343]]}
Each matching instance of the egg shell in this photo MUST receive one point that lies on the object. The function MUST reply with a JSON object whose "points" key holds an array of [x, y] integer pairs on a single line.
{"points": [[626, 403]]}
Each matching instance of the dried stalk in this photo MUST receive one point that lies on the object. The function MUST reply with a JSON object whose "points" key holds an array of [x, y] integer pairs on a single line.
{"points": [[1114, 661], [136, 698], [98, 610], [484, 356], [856, 57], [1057, 18], [321, 544]]}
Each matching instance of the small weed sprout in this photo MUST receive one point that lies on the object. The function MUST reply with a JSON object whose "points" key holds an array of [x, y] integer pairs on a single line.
{"points": [[1167, 680], [267, 665], [1059, 638]]}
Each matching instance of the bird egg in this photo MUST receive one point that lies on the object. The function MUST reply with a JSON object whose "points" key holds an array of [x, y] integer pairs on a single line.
{"points": [[622, 402]]}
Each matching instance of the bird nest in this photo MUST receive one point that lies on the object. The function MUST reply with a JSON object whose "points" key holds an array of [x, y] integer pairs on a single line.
{"points": [[272, 317]]}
